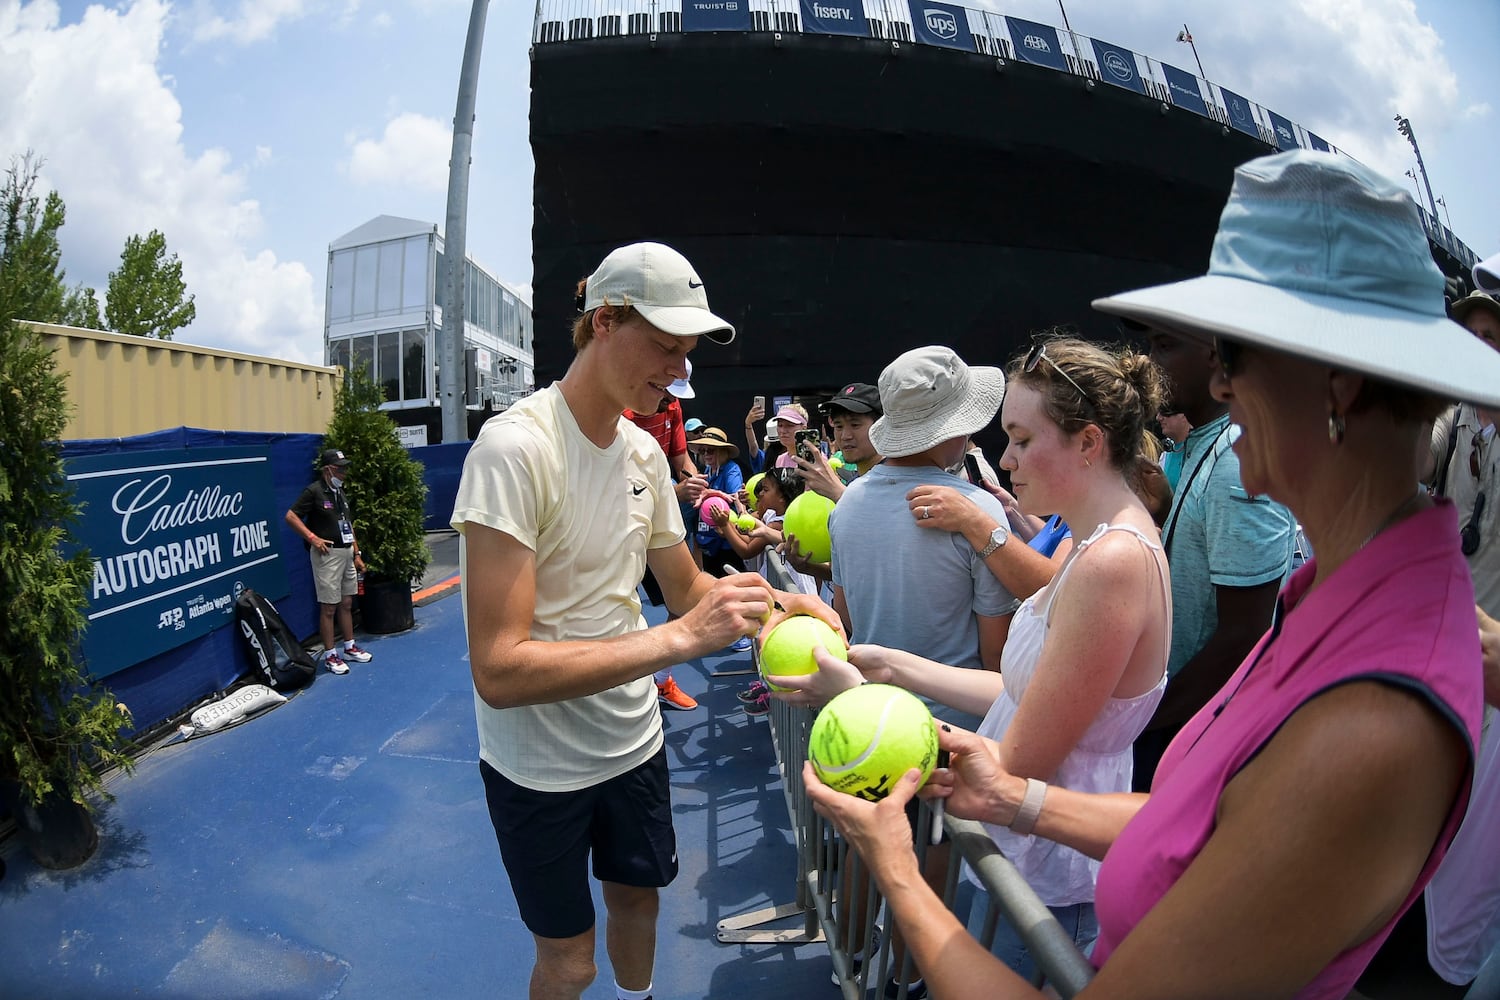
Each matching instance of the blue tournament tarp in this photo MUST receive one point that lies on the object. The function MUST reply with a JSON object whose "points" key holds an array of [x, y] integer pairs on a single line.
{"points": [[442, 465], [162, 686]]}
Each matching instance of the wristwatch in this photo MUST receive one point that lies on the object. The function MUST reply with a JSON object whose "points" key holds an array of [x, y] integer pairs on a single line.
{"points": [[997, 539]]}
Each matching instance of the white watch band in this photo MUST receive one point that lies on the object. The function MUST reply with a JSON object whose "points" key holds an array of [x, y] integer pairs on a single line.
{"points": [[1031, 807]]}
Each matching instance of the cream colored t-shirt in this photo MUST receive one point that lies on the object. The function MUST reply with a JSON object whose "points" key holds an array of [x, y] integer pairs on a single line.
{"points": [[589, 514]]}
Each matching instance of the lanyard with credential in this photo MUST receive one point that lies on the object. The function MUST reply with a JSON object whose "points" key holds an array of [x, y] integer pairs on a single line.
{"points": [[1208, 453]]}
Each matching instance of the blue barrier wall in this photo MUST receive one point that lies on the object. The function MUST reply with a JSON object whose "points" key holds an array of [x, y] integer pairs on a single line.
{"points": [[161, 687], [442, 464]]}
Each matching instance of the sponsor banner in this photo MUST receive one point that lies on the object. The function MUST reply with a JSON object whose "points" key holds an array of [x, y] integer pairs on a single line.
{"points": [[1117, 66], [1035, 43], [1240, 115], [175, 536], [1183, 86], [715, 15], [1286, 136], [940, 24], [835, 17], [1318, 142]]}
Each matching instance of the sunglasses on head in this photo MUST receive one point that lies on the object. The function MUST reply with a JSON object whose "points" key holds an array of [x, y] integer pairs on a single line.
{"points": [[1037, 354]]}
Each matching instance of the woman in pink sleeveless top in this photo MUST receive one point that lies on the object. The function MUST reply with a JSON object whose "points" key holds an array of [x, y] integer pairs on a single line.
{"points": [[1304, 809]]}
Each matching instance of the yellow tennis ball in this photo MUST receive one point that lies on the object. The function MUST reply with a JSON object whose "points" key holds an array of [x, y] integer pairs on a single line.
{"points": [[788, 648], [807, 518], [750, 485], [866, 738]]}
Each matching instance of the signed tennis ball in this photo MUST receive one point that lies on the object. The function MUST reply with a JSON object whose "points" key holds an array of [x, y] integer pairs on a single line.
{"points": [[807, 518], [711, 503], [865, 739], [788, 648]]}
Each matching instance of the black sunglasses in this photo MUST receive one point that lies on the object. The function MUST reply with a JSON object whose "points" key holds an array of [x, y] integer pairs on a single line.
{"points": [[1037, 354], [1468, 538], [1228, 352]]}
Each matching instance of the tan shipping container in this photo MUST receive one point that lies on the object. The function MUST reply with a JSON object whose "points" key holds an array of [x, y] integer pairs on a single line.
{"points": [[121, 386]]}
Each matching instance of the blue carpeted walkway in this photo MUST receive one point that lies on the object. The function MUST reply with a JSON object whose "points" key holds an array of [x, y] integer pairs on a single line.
{"points": [[339, 846]]}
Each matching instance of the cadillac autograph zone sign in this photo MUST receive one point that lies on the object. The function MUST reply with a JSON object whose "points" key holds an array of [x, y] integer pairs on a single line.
{"points": [[175, 537]]}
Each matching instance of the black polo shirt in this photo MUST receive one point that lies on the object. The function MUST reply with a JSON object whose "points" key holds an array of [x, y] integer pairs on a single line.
{"points": [[320, 508]]}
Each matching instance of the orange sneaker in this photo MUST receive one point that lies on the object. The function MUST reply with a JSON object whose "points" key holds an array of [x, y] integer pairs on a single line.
{"points": [[672, 696]]}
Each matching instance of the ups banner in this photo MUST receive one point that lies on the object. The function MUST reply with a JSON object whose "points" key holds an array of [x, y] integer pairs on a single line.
{"points": [[1035, 43], [175, 536], [940, 24], [715, 15], [835, 17]]}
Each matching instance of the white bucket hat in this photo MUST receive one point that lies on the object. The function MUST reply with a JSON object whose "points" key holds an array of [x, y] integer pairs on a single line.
{"points": [[1319, 257], [662, 286], [930, 396], [683, 387]]}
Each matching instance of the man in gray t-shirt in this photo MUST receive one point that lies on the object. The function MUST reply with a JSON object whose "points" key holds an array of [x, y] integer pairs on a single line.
{"points": [[895, 584]]}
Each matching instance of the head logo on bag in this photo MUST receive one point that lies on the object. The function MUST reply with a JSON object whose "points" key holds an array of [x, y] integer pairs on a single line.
{"points": [[276, 657]]}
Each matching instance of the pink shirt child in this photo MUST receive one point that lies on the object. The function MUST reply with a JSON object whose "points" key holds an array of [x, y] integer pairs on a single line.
{"points": [[1402, 610]]}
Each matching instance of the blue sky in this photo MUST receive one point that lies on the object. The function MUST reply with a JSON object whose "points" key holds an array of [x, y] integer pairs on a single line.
{"points": [[252, 133]]}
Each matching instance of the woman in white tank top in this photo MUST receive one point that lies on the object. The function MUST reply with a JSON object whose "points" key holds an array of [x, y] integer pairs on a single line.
{"points": [[1085, 661]]}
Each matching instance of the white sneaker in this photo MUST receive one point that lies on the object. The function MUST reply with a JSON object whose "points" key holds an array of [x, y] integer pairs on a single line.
{"points": [[353, 652], [335, 663]]}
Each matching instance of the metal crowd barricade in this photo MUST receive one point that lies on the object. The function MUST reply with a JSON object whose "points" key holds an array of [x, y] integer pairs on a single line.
{"points": [[830, 880]]}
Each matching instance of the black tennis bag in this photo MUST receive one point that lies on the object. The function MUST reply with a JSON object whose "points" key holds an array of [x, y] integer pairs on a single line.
{"points": [[276, 657]]}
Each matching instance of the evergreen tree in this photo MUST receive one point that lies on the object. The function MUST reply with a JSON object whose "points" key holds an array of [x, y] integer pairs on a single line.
{"points": [[30, 257], [146, 295], [385, 488], [54, 726]]}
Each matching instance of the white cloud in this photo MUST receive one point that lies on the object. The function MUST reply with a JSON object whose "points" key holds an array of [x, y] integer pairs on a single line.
{"points": [[411, 153], [255, 21], [112, 142]]}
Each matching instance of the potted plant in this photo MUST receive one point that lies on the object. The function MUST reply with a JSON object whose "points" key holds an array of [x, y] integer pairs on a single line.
{"points": [[387, 495], [57, 730]]}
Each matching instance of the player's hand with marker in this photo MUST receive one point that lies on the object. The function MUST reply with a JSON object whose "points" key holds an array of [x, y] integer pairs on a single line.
{"points": [[733, 607]]}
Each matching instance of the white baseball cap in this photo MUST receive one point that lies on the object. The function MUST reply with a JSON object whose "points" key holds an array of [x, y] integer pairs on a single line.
{"points": [[662, 286]]}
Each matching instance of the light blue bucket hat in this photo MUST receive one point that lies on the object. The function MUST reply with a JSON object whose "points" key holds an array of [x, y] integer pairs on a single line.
{"points": [[1319, 257]]}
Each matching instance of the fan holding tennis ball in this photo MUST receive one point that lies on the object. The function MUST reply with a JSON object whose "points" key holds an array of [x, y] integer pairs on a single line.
{"points": [[807, 519], [710, 505], [788, 648], [867, 737]]}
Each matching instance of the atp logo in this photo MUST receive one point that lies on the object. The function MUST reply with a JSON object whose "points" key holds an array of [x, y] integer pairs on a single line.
{"points": [[941, 23], [1037, 44], [1118, 67]]}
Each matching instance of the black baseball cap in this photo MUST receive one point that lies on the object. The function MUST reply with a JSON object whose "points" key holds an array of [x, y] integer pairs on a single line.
{"points": [[332, 456], [856, 397]]}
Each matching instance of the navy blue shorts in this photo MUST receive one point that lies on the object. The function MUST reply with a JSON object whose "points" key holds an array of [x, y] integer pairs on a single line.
{"points": [[546, 838]]}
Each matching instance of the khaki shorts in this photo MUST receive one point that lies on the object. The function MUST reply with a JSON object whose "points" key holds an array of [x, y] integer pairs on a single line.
{"points": [[333, 574]]}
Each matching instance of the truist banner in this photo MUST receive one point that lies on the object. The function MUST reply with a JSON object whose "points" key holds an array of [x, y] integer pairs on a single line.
{"points": [[940, 24], [1035, 43], [175, 536], [1286, 136], [1183, 87], [715, 15], [1118, 66], [1240, 115], [835, 17]]}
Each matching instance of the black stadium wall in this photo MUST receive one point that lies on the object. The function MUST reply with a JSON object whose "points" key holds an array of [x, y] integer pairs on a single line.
{"points": [[846, 199]]}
